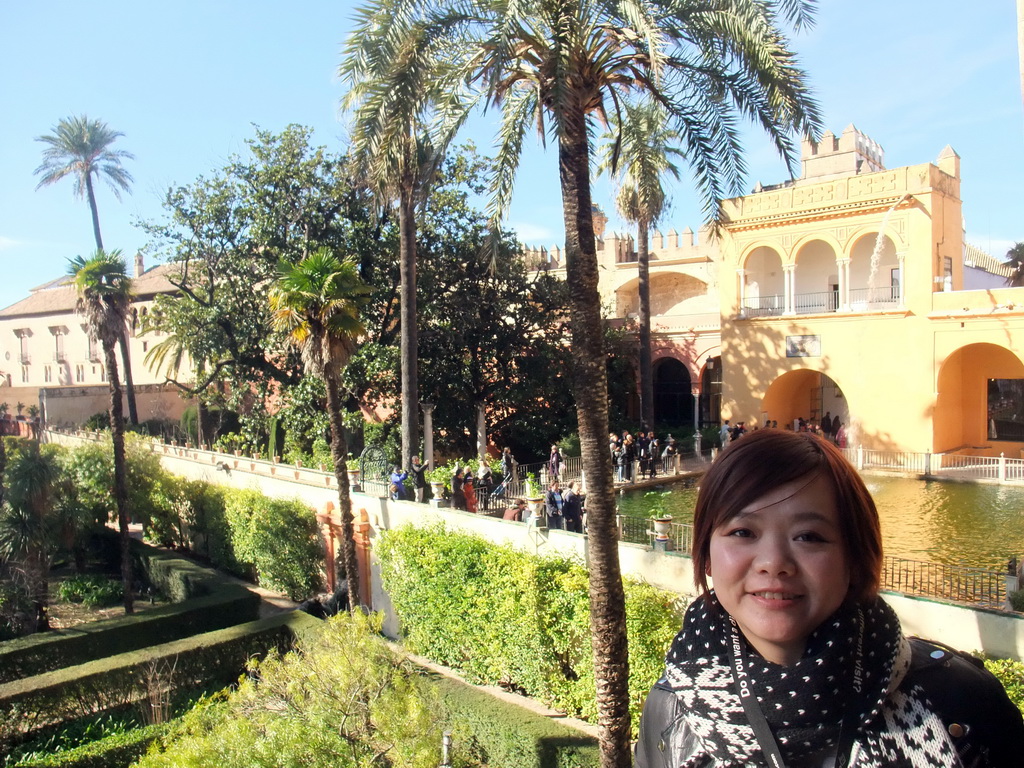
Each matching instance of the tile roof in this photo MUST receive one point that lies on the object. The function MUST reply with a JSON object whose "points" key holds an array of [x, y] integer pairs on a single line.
{"points": [[977, 258], [58, 296]]}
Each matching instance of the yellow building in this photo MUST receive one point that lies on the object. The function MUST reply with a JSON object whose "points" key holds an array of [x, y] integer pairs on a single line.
{"points": [[849, 291], [843, 292]]}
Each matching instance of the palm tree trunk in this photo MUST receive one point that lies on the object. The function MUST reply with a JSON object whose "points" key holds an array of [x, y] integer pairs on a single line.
{"points": [[129, 384], [590, 386], [89, 193], [409, 361], [643, 255], [120, 474], [339, 452]]}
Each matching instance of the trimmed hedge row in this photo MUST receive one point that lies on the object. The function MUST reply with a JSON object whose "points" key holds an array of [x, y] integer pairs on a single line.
{"points": [[224, 604], [120, 750], [214, 657], [523, 621], [502, 733]]}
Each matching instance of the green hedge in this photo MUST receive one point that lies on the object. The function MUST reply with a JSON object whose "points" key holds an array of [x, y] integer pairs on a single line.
{"points": [[40, 653], [502, 616], [120, 750], [223, 603], [500, 733], [211, 658]]}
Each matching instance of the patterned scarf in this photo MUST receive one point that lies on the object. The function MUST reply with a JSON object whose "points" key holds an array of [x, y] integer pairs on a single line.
{"points": [[805, 703]]}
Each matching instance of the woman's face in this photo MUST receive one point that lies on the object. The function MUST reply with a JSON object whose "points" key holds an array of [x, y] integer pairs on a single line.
{"points": [[780, 567]]}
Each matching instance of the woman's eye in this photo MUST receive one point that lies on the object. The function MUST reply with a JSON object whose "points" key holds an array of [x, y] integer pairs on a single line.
{"points": [[810, 536], [740, 532]]}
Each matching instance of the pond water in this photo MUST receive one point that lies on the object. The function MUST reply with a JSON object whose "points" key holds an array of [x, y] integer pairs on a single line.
{"points": [[940, 522]]}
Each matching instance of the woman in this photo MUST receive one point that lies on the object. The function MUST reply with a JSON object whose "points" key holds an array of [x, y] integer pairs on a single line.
{"points": [[555, 463], [553, 503], [458, 491], [793, 659], [469, 491]]}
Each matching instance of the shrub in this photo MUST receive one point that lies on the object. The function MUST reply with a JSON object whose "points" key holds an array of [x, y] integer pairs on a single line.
{"points": [[1011, 675], [97, 422], [523, 619], [91, 590], [344, 699], [279, 539]]}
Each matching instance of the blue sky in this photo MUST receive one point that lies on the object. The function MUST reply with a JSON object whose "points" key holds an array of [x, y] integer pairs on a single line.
{"points": [[186, 81]]}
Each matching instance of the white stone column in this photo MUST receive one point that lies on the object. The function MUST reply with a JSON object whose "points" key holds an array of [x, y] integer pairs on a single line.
{"points": [[741, 291], [481, 431], [428, 434], [844, 285], [901, 259], [789, 289]]}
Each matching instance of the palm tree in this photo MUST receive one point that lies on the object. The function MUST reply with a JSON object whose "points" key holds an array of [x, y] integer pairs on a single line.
{"points": [[1015, 260], [104, 296], [639, 153], [81, 148], [317, 302], [28, 534], [393, 150], [557, 65]]}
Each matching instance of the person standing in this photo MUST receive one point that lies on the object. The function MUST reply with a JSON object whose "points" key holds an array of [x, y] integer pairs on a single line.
{"points": [[554, 503], [469, 491], [419, 478], [458, 492], [397, 481], [508, 467], [793, 659], [555, 463], [572, 508], [723, 434]]}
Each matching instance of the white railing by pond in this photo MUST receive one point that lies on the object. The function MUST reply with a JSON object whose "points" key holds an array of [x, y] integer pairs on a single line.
{"points": [[953, 466]]}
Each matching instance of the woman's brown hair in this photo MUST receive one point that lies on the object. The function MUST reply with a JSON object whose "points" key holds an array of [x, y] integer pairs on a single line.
{"points": [[760, 462]]}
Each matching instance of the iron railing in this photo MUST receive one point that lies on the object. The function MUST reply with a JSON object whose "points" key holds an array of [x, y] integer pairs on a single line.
{"points": [[957, 583], [764, 306]]}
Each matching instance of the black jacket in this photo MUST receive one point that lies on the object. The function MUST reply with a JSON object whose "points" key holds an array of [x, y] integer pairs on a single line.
{"points": [[986, 727]]}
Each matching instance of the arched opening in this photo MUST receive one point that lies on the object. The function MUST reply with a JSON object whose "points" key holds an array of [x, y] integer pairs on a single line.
{"points": [[807, 395], [874, 276], [711, 393], [980, 401], [673, 398], [817, 279], [670, 293], [764, 284]]}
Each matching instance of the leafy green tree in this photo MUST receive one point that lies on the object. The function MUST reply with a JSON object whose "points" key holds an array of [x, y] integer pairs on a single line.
{"points": [[104, 296], [316, 303], [1015, 260], [80, 147], [639, 154], [556, 67], [226, 234]]}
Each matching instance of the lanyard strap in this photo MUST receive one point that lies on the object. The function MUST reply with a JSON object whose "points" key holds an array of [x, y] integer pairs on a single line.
{"points": [[759, 723]]}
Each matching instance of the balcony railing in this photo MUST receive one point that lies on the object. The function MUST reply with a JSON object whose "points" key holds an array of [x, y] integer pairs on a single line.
{"points": [[822, 301], [764, 306], [26, 358], [874, 298]]}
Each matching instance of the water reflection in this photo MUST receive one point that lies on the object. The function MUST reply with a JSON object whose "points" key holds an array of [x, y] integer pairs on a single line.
{"points": [[942, 522]]}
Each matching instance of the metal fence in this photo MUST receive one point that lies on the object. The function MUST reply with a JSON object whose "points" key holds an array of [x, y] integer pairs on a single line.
{"points": [[958, 583], [950, 465]]}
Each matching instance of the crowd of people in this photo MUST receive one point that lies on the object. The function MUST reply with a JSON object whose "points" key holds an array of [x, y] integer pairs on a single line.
{"points": [[831, 428], [644, 452]]}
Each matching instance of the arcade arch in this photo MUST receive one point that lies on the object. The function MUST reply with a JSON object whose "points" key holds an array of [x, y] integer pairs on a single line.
{"points": [[763, 284], [804, 394], [882, 287], [673, 394], [964, 415], [670, 291], [816, 279]]}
